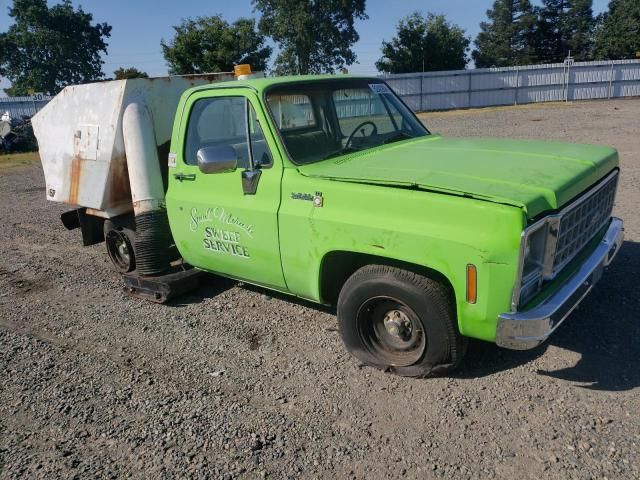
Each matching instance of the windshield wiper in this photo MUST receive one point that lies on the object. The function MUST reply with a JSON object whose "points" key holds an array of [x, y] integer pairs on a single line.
{"points": [[396, 138], [337, 153]]}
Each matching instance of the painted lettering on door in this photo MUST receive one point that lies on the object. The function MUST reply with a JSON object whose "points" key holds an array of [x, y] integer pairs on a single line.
{"points": [[218, 238], [224, 241]]}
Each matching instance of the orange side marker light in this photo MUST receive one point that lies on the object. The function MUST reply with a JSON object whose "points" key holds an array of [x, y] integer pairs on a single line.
{"points": [[472, 284]]}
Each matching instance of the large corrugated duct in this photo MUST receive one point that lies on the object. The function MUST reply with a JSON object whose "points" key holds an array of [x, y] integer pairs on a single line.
{"points": [[153, 236]]}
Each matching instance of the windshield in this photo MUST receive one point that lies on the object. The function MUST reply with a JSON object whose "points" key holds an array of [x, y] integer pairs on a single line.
{"points": [[327, 119]]}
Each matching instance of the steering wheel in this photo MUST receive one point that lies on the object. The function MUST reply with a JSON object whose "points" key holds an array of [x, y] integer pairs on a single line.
{"points": [[355, 130]]}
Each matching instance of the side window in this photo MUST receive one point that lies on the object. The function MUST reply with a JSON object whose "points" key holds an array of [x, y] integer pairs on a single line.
{"points": [[218, 121], [292, 111], [261, 154]]}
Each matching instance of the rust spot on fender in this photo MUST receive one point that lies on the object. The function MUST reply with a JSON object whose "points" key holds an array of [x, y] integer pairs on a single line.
{"points": [[74, 185]]}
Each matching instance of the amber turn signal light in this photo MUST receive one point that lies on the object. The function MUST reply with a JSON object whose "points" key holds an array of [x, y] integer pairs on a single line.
{"points": [[472, 284]]}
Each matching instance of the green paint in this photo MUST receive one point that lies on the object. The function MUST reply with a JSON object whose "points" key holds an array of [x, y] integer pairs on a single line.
{"points": [[217, 227], [430, 201], [536, 176]]}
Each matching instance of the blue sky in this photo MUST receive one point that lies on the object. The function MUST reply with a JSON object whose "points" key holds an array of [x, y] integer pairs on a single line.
{"points": [[139, 25]]}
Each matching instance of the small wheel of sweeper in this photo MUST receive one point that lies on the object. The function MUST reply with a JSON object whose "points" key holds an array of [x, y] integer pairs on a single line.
{"points": [[120, 248]]}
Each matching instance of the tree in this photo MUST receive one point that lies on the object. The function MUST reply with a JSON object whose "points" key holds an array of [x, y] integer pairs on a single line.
{"points": [[211, 45], [46, 49], [581, 25], [128, 73], [618, 32], [423, 45], [565, 26], [507, 38], [314, 36]]}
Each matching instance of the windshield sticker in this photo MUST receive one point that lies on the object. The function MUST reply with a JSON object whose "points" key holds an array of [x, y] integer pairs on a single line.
{"points": [[379, 88]]}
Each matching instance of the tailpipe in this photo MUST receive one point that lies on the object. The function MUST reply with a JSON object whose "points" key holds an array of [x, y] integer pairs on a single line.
{"points": [[153, 235]]}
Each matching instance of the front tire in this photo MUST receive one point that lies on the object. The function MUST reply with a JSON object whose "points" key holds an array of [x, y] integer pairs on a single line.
{"points": [[399, 321]]}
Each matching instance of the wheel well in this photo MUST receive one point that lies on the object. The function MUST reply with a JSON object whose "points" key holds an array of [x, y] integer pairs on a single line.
{"points": [[338, 266]]}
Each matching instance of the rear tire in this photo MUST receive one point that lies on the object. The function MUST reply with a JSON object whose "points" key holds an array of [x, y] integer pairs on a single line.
{"points": [[399, 321]]}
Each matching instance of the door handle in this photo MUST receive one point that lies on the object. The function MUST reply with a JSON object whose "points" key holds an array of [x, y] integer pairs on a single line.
{"points": [[184, 176]]}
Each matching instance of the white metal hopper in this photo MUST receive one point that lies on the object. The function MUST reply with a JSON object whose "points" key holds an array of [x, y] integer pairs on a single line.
{"points": [[82, 145]]}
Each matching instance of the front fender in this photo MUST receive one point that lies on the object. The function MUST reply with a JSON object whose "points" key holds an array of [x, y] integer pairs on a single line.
{"points": [[441, 232]]}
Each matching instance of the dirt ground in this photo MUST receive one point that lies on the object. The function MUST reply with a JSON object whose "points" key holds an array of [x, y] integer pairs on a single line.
{"points": [[236, 382]]}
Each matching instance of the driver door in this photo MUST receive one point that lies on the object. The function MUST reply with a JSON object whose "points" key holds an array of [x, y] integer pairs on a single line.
{"points": [[218, 224]]}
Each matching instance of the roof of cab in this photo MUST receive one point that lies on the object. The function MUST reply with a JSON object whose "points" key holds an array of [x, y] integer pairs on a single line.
{"points": [[260, 84]]}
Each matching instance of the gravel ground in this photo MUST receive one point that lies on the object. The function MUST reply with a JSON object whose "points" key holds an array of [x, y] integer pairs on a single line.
{"points": [[236, 382]]}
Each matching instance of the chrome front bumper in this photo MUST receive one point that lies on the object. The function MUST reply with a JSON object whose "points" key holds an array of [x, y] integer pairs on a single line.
{"points": [[525, 330]]}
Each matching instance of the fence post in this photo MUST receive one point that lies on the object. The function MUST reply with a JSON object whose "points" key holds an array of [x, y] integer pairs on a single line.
{"points": [[515, 100], [421, 93], [567, 80], [469, 89], [610, 93], [564, 83]]}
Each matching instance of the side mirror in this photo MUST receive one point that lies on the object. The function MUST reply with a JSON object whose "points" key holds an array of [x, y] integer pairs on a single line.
{"points": [[217, 159]]}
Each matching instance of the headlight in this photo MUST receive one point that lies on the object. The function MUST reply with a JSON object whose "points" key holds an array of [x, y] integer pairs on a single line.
{"points": [[533, 263], [534, 253]]}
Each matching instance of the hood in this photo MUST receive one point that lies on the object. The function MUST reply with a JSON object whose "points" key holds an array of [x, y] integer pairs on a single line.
{"points": [[533, 175]]}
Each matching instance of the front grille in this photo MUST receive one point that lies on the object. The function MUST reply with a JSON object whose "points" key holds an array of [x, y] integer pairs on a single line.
{"points": [[582, 220]]}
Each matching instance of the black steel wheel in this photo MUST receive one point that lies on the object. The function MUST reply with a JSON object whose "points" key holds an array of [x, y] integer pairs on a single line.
{"points": [[120, 250], [399, 321], [391, 331]]}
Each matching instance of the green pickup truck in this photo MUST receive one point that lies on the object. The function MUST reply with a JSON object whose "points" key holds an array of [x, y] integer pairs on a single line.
{"points": [[329, 188]]}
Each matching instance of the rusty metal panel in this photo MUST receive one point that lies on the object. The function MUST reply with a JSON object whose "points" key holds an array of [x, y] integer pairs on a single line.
{"points": [[81, 142]]}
